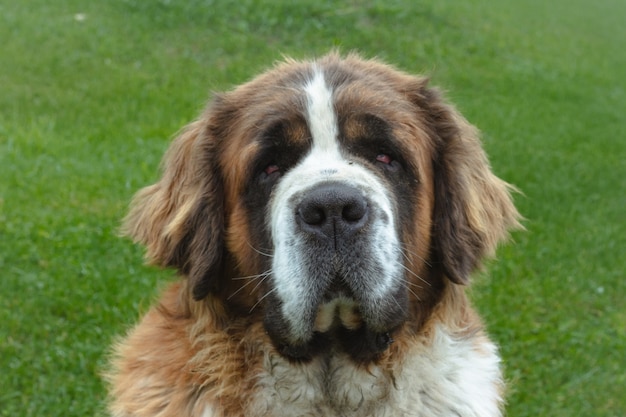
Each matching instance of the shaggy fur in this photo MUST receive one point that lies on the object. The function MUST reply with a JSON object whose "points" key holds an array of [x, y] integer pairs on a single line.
{"points": [[220, 342]]}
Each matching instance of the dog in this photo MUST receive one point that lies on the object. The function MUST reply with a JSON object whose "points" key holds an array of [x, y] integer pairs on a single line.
{"points": [[324, 219]]}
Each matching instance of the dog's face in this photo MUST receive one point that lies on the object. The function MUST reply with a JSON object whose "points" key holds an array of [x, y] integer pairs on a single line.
{"points": [[337, 197], [334, 219]]}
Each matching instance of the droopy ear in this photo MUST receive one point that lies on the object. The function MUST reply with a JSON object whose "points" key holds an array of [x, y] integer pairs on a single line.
{"points": [[473, 209], [180, 219]]}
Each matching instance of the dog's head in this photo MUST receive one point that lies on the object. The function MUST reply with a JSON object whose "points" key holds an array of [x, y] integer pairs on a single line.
{"points": [[338, 197]]}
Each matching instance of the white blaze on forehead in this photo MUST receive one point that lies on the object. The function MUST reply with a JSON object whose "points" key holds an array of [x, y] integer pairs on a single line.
{"points": [[321, 114]]}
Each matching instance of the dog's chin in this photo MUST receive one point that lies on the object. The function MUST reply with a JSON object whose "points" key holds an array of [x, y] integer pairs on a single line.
{"points": [[339, 327], [362, 345]]}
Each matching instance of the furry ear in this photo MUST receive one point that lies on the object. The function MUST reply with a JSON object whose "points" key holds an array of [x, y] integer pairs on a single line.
{"points": [[473, 209], [180, 219]]}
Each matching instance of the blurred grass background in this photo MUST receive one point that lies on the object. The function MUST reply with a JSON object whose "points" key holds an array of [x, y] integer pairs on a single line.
{"points": [[92, 92]]}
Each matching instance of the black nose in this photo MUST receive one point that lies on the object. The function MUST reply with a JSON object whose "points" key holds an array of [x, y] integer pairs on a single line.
{"points": [[333, 211]]}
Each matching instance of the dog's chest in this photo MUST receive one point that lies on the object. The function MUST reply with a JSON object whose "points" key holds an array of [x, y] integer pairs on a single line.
{"points": [[447, 378], [330, 387]]}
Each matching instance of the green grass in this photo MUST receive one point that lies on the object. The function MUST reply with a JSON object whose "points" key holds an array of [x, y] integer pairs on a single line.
{"points": [[91, 93]]}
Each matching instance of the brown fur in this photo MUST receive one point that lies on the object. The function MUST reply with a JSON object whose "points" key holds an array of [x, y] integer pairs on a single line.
{"points": [[205, 343]]}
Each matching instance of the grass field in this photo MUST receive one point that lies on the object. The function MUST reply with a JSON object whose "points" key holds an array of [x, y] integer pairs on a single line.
{"points": [[91, 93]]}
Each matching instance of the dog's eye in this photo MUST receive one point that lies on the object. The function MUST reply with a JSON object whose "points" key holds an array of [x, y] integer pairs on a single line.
{"points": [[383, 158], [270, 169], [387, 162]]}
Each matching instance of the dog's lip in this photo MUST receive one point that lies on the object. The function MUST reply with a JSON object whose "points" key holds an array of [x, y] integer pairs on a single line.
{"points": [[340, 311]]}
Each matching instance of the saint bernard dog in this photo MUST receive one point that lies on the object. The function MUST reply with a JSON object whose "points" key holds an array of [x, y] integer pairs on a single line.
{"points": [[324, 219]]}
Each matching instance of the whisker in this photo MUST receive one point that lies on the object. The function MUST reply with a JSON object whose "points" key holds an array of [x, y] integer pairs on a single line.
{"points": [[396, 301], [404, 250], [403, 283], [261, 281], [412, 284], [405, 256], [414, 274], [261, 299], [252, 278], [269, 255]]}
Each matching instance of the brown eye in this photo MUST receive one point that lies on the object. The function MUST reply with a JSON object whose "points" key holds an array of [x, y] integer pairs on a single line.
{"points": [[383, 158]]}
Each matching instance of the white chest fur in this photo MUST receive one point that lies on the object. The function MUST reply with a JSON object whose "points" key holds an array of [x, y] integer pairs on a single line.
{"points": [[447, 377]]}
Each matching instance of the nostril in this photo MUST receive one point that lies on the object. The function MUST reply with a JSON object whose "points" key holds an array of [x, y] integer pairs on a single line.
{"points": [[354, 211], [312, 214]]}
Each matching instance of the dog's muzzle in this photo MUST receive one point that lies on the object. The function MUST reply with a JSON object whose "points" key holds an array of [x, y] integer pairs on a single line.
{"points": [[336, 267]]}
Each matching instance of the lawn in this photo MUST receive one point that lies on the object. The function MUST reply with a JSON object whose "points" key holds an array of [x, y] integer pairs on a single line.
{"points": [[91, 93]]}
